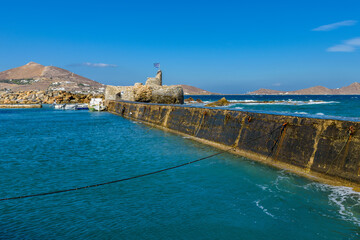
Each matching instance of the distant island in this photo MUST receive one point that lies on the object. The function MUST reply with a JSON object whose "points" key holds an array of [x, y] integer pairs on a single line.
{"points": [[353, 89], [190, 90]]}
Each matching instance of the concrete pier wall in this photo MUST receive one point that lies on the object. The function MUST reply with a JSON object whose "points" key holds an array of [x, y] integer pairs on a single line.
{"points": [[328, 150]]}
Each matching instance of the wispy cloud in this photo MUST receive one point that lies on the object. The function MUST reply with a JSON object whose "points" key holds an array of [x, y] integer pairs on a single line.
{"points": [[353, 42], [276, 84], [348, 46], [341, 48], [336, 25], [94, 65]]}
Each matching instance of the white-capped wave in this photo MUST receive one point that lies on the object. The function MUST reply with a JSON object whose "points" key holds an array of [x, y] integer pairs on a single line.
{"points": [[320, 114], [280, 102], [344, 198], [264, 209], [264, 188]]}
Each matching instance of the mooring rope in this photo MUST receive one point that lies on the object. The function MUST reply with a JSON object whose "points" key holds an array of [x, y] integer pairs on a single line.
{"points": [[137, 176]]}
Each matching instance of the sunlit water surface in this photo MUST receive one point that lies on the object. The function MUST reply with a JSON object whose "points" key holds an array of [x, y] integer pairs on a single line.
{"points": [[225, 197], [343, 107]]}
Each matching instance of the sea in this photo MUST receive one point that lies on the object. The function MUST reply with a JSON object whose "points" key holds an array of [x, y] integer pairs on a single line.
{"points": [[223, 197]]}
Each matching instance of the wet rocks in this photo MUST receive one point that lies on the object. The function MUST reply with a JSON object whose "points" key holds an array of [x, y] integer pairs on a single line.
{"points": [[218, 103], [188, 100]]}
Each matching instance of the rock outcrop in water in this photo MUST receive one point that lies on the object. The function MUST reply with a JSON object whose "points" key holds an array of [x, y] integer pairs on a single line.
{"points": [[219, 103], [153, 91]]}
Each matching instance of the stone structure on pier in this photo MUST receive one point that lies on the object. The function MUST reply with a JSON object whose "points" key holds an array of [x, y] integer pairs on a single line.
{"points": [[153, 91]]}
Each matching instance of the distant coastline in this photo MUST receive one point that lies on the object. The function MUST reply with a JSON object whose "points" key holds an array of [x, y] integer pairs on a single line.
{"points": [[352, 89]]}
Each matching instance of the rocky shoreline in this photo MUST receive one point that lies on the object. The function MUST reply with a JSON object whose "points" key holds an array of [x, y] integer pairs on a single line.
{"points": [[45, 97]]}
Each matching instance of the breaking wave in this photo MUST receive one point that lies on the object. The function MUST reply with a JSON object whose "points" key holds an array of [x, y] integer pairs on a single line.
{"points": [[345, 199], [281, 102]]}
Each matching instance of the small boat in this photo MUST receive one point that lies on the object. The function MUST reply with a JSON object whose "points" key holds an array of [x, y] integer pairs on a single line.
{"points": [[59, 106], [70, 106], [82, 106], [97, 104]]}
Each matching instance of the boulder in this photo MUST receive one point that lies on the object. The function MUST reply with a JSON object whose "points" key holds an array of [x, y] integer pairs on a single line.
{"points": [[221, 102], [190, 99]]}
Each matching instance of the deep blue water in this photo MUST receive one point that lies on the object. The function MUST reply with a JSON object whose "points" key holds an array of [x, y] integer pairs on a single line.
{"points": [[346, 107], [225, 197]]}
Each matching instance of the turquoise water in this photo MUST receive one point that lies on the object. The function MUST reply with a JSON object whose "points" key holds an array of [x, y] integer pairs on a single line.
{"points": [[225, 197], [343, 107]]}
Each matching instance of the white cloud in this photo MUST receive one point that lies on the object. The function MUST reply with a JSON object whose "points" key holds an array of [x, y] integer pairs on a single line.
{"points": [[102, 65], [341, 48], [336, 25], [94, 65], [276, 84], [348, 46], [353, 42]]}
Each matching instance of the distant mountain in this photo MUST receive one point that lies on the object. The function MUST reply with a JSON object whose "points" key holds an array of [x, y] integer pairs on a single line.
{"points": [[190, 90], [263, 91], [34, 76], [353, 89]]}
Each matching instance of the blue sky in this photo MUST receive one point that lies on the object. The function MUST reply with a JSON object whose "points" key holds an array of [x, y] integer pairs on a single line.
{"points": [[221, 46]]}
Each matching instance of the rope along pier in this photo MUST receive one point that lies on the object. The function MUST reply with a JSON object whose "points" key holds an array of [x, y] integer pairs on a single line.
{"points": [[137, 176]]}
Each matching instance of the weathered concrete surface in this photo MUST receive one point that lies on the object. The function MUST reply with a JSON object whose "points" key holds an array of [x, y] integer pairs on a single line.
{"points": [[20, 106], [328, 150]]}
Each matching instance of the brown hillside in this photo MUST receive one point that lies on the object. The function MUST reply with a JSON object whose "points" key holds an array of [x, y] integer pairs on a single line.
{"points": [[34, 76], [29, 70], [353, 88], [263, 91], [318, 90], [190, 90]]}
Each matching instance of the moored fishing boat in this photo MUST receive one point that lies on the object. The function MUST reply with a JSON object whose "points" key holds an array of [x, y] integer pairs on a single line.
{"points": [[65, 106], [70, 106], [97, 104], [82, 106], [59, 106]]}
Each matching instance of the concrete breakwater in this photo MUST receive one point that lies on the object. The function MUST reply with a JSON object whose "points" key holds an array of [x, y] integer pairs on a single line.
{"points": [[20, 106], [322, 149]]}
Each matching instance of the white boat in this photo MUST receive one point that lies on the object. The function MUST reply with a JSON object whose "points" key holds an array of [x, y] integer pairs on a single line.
{"points": [[70, 106], [59, 106], [97, 104], [82, 106]]}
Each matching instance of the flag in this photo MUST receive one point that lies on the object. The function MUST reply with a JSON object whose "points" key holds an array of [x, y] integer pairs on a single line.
{"points": [[156, 65]]}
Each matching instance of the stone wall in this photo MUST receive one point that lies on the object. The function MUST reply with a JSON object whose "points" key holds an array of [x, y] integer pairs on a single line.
{"points": [[153, 91], [328, 150]]}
